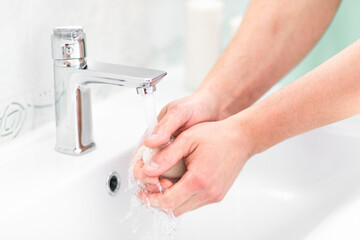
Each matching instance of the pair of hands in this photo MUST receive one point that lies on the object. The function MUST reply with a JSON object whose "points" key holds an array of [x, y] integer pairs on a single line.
{"points": [[214, 152]]}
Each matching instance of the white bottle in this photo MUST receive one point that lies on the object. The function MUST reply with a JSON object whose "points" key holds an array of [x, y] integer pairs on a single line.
{"points": [[203, 39]]}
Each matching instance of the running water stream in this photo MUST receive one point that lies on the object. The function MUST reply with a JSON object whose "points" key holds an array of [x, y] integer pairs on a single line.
{"points": [[148, 101], [164, 224]]}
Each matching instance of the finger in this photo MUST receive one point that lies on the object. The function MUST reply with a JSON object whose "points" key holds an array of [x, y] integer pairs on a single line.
{"points": [[144, 197], [173, 197], [169, 156], [159, 186], [180, 130], [139, 174], [150, 199], [162, 112], [165, 183], [150, 180], [137, 155], [171, 121], [152, 188], [137, 170]]}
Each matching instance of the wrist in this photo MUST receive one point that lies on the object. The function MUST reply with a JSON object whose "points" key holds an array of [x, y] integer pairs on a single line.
{"points": [[223, 102], [210, 102], [234, 95], [249, 128], [241, 135]]}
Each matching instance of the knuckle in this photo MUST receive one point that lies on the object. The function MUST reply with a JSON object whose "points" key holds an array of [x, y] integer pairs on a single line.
{"points": [[186, 135], [165, 108], [215, 194], [219, 198], [169, 105], [176, 108], [163, 157], [199, 181]]}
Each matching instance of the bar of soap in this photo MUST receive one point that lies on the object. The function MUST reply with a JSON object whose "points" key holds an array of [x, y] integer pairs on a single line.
{"points": [[174, 173], [149, 153]]}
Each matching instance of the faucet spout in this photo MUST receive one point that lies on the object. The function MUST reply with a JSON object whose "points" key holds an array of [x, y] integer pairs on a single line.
{"points": [[120, 75], [73, 74]]}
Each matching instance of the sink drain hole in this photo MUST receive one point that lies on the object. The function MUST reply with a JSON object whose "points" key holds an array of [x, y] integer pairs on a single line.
{"points": [[113, 183]]}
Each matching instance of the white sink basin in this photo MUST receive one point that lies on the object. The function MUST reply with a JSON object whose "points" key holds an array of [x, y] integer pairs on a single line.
{"points": [[293, 191], [286, 192]]}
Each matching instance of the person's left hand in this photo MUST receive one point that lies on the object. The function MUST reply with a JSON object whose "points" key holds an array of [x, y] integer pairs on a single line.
{"points": [[214, 154], [149, 184]]}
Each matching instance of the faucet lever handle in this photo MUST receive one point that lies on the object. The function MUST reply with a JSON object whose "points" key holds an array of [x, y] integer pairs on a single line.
{"points": [[68, 43]]}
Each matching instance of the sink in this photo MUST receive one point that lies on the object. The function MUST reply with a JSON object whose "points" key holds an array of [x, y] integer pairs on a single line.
{"points": [[300, 189], [48, 195], [288, 192]]}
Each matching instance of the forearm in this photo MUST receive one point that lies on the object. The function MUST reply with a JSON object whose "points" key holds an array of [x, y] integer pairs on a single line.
{"points": [[273, 38], [327, 94]]}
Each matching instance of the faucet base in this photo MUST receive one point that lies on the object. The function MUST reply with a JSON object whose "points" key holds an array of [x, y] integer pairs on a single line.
{"points": [[78, 151], [72, 76]]}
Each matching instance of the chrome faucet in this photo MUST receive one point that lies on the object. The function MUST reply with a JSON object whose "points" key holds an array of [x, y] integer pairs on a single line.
{"points": [[73, 74]]}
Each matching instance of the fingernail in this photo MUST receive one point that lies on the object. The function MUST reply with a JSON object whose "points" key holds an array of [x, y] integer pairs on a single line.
{"points": [[151, 166], [152, 137]]}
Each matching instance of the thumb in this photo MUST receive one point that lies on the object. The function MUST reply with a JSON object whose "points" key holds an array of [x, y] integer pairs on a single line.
{"points": [[168, 157], [170, 122]]}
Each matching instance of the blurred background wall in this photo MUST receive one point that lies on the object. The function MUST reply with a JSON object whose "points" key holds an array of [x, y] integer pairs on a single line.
{"points": [[137, 32], [343, 31]]}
